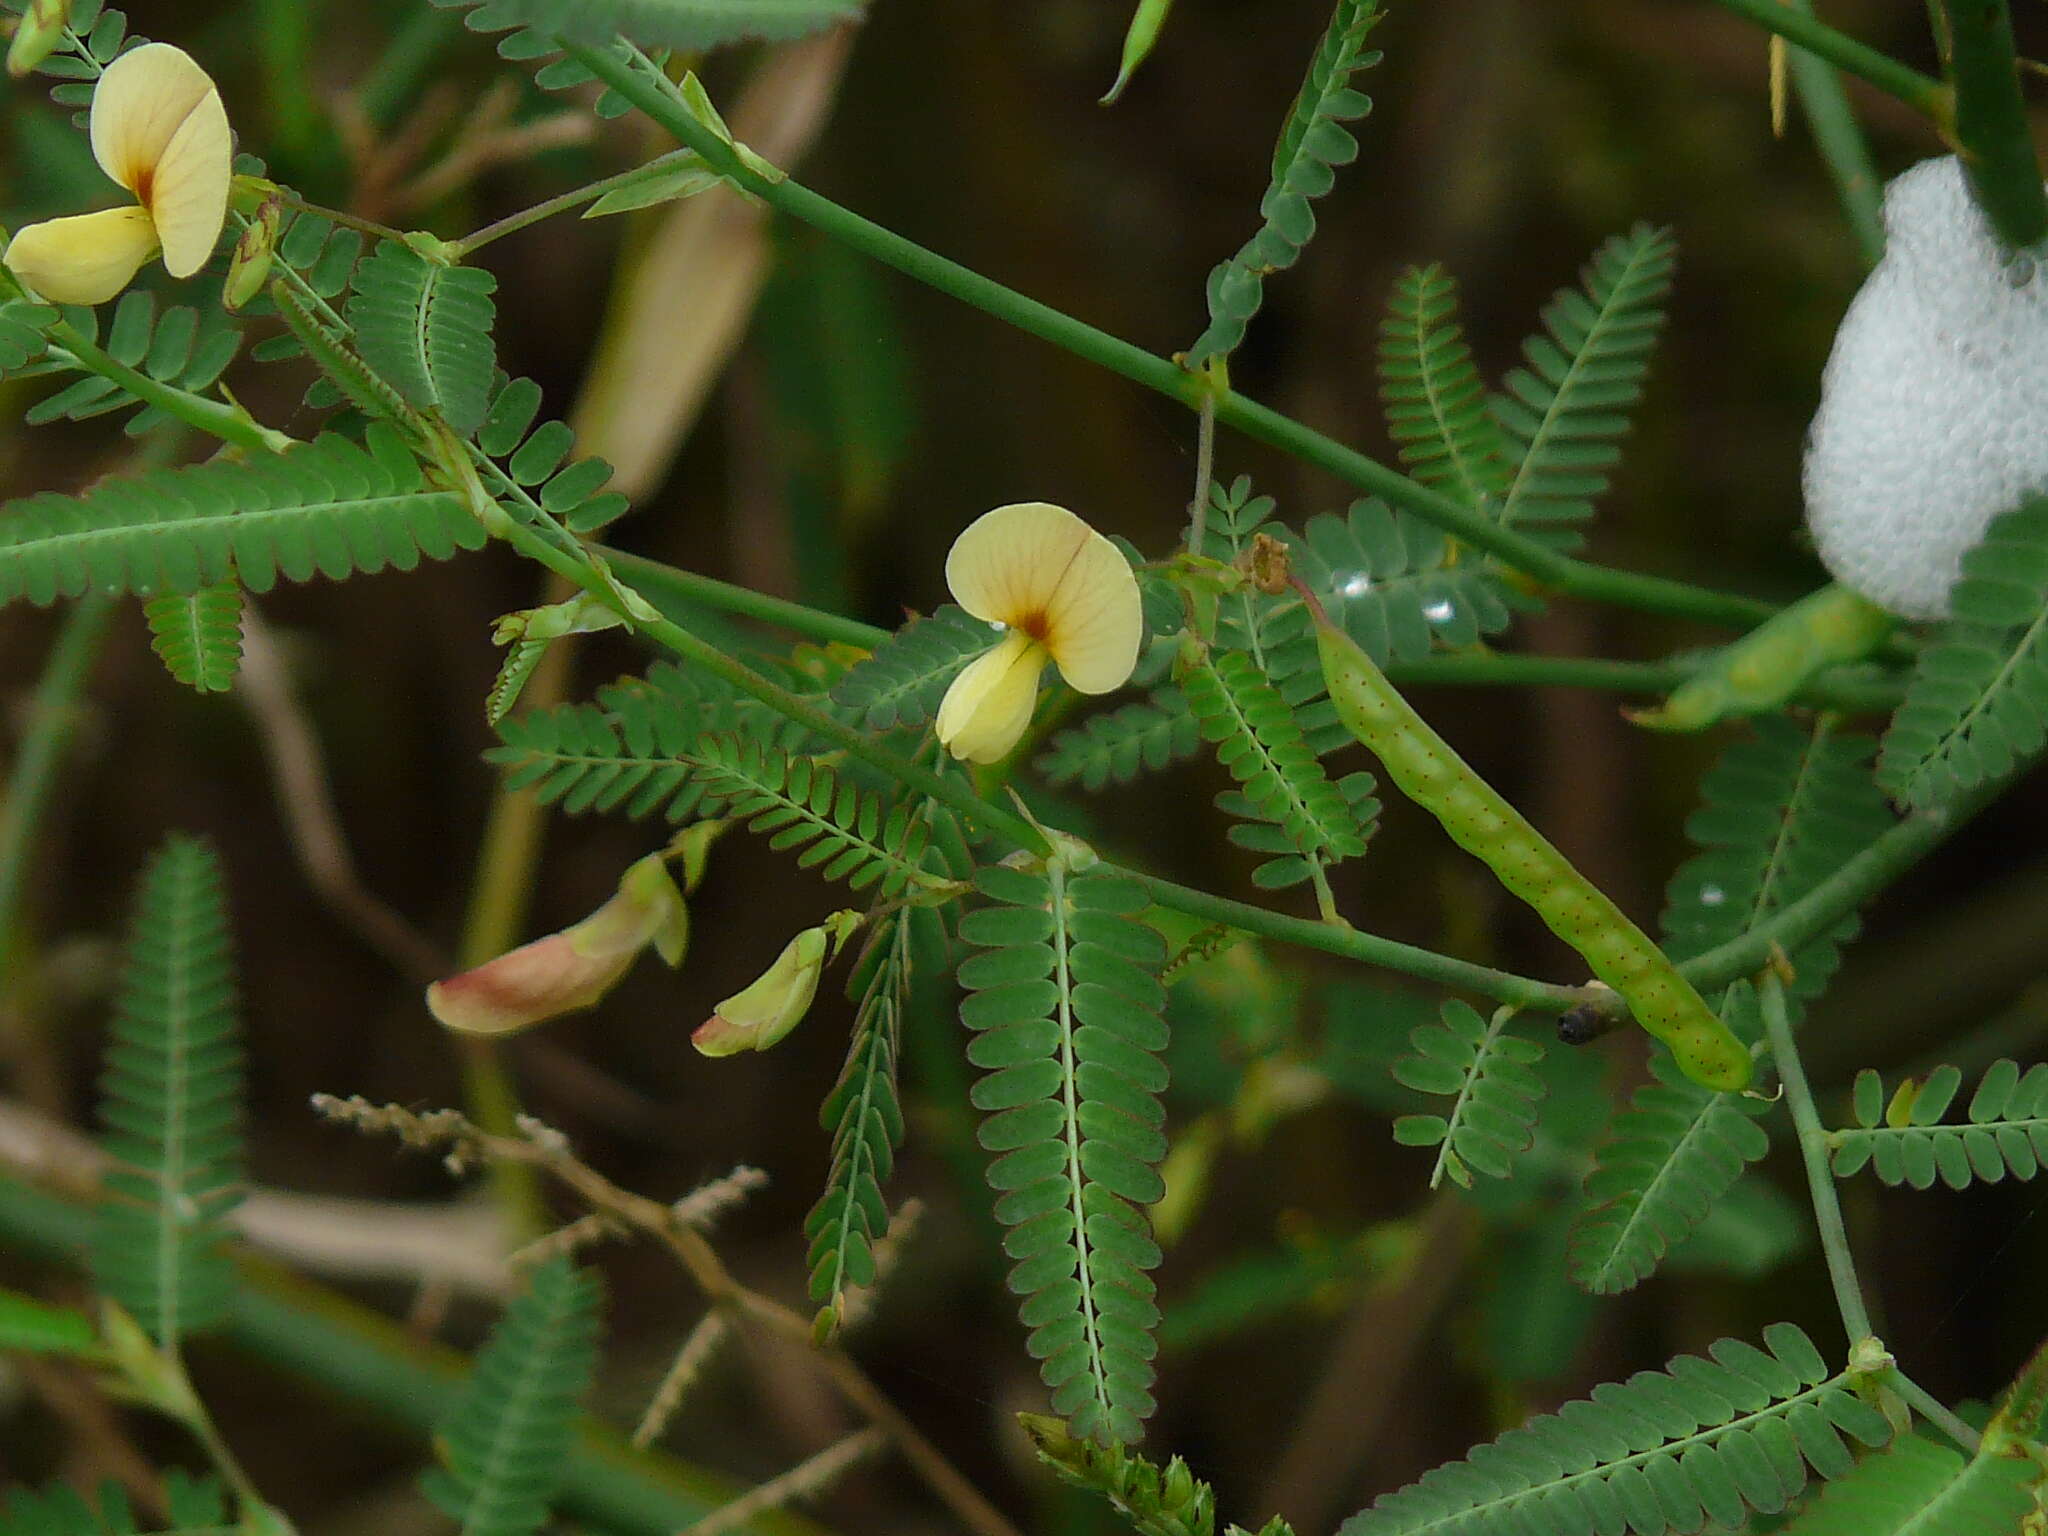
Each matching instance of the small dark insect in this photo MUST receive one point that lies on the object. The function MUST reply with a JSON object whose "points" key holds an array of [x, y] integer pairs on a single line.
{"points": [[1584, 1024]]}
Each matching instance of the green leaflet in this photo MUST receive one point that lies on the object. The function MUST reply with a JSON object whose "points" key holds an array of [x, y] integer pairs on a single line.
{"points": [[198, 635], [1978, 702], [197, 1507], [865, 1118], [35, 1327], [1117, 746], [1436, 404], [22, 323], [325, 508], [680, 24], [1489, 1075], [1919, 1488], [900, 684], [1313, 143], [426, 327], [534, 456], [1563, 413], [504, 1446], [1900, 1137], [1702, 1440], [183, 348], [1065, 1005], [1153, 1500], [171, 1104]]}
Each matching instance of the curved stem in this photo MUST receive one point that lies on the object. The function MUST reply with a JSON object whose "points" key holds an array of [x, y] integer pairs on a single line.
{"points": [[590, 193], [216, 418], [1813, 1150], [1935, 1411], [1558, 572]]}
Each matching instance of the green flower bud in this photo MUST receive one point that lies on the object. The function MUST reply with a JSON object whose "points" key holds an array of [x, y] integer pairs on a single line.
{"points": [[249, 267], [37, 34], [759, 1016]]}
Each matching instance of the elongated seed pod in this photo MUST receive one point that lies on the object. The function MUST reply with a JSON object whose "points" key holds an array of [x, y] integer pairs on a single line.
{"points": [[1425, 768]]}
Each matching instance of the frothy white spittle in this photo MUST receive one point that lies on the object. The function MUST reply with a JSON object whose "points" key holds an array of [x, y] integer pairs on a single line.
{"points": [[1934, 408]]}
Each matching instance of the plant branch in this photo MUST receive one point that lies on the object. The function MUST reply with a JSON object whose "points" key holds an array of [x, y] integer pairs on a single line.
{"points": [[590, 193], [1843, 149], [1991, 122], [1935, 1411], [230, 423], [1556, 571], [1927, 96], [1813, 1149]]}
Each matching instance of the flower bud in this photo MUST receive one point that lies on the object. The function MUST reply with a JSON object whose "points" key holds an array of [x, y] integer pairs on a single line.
{"points": [[37, 34], [572, 969], [249, 267], [759, 1016]]}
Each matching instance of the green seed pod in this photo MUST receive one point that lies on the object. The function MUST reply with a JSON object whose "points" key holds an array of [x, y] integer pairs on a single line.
{"points": [[1431, 774], [1138, 41], [37, 34], [1775, 660]]}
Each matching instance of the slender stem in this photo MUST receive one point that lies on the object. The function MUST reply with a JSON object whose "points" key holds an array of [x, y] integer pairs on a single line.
{"points": [[1935, 1411], [229, 423], [1205, 472], [353, 221], [193, 1415], [1843, 149], [53, 717], [1813, 1148], [660, 583], [1925, 95], [513, 222], [1877, 866], [1991, 122], [1557, 571]]}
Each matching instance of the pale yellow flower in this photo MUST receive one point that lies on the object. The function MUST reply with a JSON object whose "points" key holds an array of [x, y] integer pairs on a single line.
{"points": [[1063, 593], [159, 129]]}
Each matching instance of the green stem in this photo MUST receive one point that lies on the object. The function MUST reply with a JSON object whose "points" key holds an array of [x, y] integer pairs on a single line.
{"points": [[1840, 140], [229, 423], [1935, 1411], [1991, 122], [395, 80], [1813, 1149], [660, 583], [365, 226], [1557, 571], [590, 193], [1925, 95], [1877, 866], [52, 719]]}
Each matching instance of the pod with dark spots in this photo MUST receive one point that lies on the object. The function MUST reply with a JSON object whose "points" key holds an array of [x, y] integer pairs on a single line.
{"points": [[1430, 773]]}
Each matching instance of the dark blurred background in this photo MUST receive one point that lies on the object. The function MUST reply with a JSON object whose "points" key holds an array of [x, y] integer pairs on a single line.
{"points": [[1508, 138]]}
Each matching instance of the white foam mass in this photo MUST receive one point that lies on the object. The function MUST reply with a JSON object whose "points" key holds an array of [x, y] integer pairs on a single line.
{"points": [[1934, 407]]}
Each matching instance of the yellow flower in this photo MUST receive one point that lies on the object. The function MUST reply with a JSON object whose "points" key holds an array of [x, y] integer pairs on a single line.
{"points": [[159, 129], [1063, 593]]}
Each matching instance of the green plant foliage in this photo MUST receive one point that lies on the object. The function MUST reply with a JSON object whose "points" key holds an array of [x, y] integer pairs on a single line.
{"points": [[324, 508], [1398, 586], [1491, 1080], [182, 348], [1675, 1151], [1901, 1139], [682, 24], [1169, 1501], [1117, 746], [1436, 404], [505, 1444], [803, 804], [1782, 811], [1066, 1008], [1918, 1488], [171, 1104], [1270, 1286], [38, 1328], [865, 1118], [1565, 411], [198, 635], [1702, 1440], [1978, 702], [101, 34], [322, 257], [534, 456], [197, 1507], [22, 323], [1312, 145], [427, 328], [1280, 779], [1285, 865], [901, 682]]}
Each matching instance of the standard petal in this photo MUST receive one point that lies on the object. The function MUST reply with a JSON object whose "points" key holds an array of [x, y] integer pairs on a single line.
{"points": [[526, 986], [141, 102], [85, 259], [1006, 564], [188, 195], [990, 702], [1095, 621]]}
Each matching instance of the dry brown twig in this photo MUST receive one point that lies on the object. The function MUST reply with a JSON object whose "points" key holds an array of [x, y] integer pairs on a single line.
{"points": [[806, 1480], [464, 1148]]}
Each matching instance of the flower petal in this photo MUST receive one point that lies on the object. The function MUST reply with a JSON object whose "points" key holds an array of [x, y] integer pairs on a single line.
{"points": [[85, 259], [141, 102], [188, 196], [1006, 564], [526, 986], [989, 704], [1095, 621]]}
